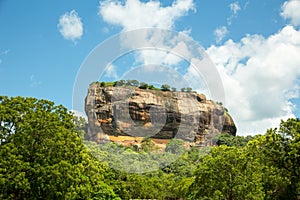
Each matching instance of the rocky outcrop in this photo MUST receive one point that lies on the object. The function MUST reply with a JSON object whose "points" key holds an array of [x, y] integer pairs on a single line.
{"points": [[129, 111]]}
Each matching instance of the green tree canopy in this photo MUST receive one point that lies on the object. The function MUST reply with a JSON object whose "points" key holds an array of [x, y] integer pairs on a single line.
{"points": [[175, 146], [133, 83], [189, 89], [147, 144], [227, 173], [230, 140], [165, 87], [279, 154], [143, 85], [42, 156]]}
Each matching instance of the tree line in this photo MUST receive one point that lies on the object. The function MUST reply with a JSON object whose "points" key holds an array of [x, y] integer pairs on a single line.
{"points": [[143, 85], [43, 156]]}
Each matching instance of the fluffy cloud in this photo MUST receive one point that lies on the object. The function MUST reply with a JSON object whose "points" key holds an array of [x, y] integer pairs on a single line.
{"points": [[260, 76], [135, 14], [70, 26], [291, 10], [175, 54], [220, 33]]}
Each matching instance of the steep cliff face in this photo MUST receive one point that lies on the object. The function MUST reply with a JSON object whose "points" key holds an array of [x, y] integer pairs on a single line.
{"points": [[128, 111]]}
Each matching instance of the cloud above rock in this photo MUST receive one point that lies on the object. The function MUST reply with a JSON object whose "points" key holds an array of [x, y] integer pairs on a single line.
{"points": [[134, 14], [70, 26]]}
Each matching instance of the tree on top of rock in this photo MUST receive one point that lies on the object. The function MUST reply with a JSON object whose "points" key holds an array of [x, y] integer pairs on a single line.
{"points": [[165, 87]]}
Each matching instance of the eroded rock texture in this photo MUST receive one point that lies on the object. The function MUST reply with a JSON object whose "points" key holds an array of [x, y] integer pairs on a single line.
{"points": [[129, 111]]}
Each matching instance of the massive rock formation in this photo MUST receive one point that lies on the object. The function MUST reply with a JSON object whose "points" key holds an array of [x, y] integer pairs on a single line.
{"points": [[129, 111]]}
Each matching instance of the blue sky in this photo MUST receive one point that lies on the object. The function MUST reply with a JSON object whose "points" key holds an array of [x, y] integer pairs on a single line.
{"points": [[41, 51]]}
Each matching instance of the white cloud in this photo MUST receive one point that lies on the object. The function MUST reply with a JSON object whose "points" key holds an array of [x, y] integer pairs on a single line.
{"points": [[110, 71], [178, 51], [135, 14], [181, 49], [291, 11], [70, 26], [260, 78], [234, 8], [220, 33]]}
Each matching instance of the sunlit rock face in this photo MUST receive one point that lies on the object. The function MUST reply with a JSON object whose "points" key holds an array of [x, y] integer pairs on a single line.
{"points": [[129, 111]]}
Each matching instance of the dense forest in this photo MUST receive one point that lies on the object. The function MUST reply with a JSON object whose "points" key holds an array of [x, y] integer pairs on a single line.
{"points": [[43, 156]]}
